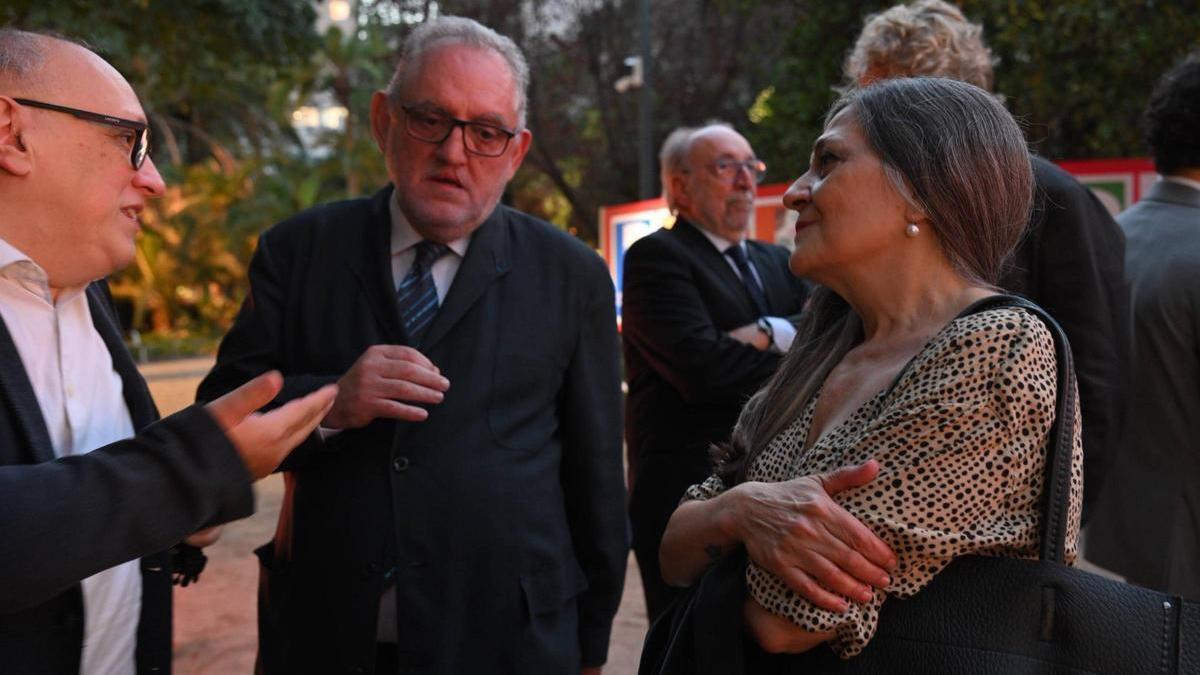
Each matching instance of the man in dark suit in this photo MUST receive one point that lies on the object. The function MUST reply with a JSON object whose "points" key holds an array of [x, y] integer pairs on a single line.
{"points": [[464, 512], [79, 505], [1147, 524], [706, 316], [1072, 258]]}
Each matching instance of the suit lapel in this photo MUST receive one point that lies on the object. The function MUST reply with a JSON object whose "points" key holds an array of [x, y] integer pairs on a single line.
{"points": [[488, 259], [374, 243], [137, 396], [693, 238], [15, 385]]}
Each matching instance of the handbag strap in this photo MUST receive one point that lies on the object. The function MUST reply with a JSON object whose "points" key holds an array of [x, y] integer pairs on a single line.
{"points": [[1056, 483]]}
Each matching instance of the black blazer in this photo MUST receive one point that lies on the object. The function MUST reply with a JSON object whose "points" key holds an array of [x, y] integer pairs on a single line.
{"points": [[62, 520], [687, 378], [1072, 263], [500, 518]]}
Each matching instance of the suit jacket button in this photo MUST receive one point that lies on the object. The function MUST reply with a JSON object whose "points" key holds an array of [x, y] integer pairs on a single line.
{"points": [[400, 464]]}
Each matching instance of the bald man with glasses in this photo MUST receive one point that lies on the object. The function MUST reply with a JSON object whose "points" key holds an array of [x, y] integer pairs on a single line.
{"points": [[93, 490], [706, 315]]}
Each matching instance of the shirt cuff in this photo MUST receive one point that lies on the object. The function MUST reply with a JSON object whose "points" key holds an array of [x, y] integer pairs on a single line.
{"points": [[785, 333], [326, 433]]}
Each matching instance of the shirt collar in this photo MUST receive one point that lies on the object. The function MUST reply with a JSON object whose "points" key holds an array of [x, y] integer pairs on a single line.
{"points": [[20, 269], [718, 241], [405, 237], [1180, 180]]}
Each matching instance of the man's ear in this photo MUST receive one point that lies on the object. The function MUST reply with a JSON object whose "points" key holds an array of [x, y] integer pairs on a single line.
{"points": [[14, 155], [679, 191], [521, 143], [381, 119]]}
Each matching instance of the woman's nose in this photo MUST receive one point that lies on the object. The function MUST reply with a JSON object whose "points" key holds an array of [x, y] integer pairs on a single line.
{"points": [[798, 194]]}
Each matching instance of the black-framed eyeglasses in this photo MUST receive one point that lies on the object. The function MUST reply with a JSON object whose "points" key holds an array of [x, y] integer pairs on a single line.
{"points": [[141, 139], [434, 126], [727, 169]]}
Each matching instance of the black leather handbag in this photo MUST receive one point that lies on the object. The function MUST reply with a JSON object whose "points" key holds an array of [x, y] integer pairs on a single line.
{"points": [[980, 614]]}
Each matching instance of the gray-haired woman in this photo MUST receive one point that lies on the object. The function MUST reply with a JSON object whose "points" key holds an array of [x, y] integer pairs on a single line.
{"points": [[899, 432]]}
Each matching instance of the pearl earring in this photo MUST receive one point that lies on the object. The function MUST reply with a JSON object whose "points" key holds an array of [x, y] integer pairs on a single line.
{"points": [[912, 230]]}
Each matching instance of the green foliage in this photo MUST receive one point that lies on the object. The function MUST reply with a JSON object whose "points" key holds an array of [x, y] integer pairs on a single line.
{"points": [[175, 344], [1076, 72], [205, 69], [805, 78], [220, 80], [1079, 73]]}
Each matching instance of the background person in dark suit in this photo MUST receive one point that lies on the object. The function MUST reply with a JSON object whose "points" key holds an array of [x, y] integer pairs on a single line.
{"points": [[1147, 523], [706, 316], [465, 510], [1071, 260], [79, 505]]}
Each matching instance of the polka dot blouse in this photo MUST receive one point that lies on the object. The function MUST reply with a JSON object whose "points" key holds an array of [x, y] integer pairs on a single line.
{"points": [[960, 441]]}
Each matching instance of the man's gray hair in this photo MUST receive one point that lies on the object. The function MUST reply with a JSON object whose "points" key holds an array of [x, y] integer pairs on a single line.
{"points": [[457, 30], [672, 158], [21, 54]]}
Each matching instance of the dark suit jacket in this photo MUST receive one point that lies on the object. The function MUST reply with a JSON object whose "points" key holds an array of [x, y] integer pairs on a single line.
{"points": [[64, 520], [1147, 523], [1072, 263], [500, 518], [687, 378]]}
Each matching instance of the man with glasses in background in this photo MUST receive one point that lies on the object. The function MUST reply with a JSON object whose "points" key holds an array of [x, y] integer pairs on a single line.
{"points": [[706, 315], [463, 511], [88, 507]]}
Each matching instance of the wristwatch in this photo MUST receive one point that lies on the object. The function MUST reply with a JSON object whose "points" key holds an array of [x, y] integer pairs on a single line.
{"points": [[767, 329]]}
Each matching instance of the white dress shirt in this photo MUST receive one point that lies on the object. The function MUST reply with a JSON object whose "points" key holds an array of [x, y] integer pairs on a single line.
{"points": [[782, 329], [81, 400]]}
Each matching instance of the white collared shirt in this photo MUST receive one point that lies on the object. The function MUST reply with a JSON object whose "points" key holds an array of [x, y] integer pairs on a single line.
{"points": [[81, 400], [784, 331]]}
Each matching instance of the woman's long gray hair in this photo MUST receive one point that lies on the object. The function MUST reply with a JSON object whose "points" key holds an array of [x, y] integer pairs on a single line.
{"points": [[959, 157]]}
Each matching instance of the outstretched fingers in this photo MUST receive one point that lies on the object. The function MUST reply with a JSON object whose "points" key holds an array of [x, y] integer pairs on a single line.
{"points": [[263, 440], [300, 416], [230, 409]]}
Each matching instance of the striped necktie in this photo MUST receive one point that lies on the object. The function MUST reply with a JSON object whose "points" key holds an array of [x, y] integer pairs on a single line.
{"points": [[738, 256], [417, 296]]}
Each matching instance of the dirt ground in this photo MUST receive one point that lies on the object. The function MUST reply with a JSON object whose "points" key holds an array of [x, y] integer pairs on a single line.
{"points": [[215, 618]]}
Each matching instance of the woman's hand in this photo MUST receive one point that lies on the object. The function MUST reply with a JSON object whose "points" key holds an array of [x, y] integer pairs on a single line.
{"points": [[777, 635], [797, 532]]}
